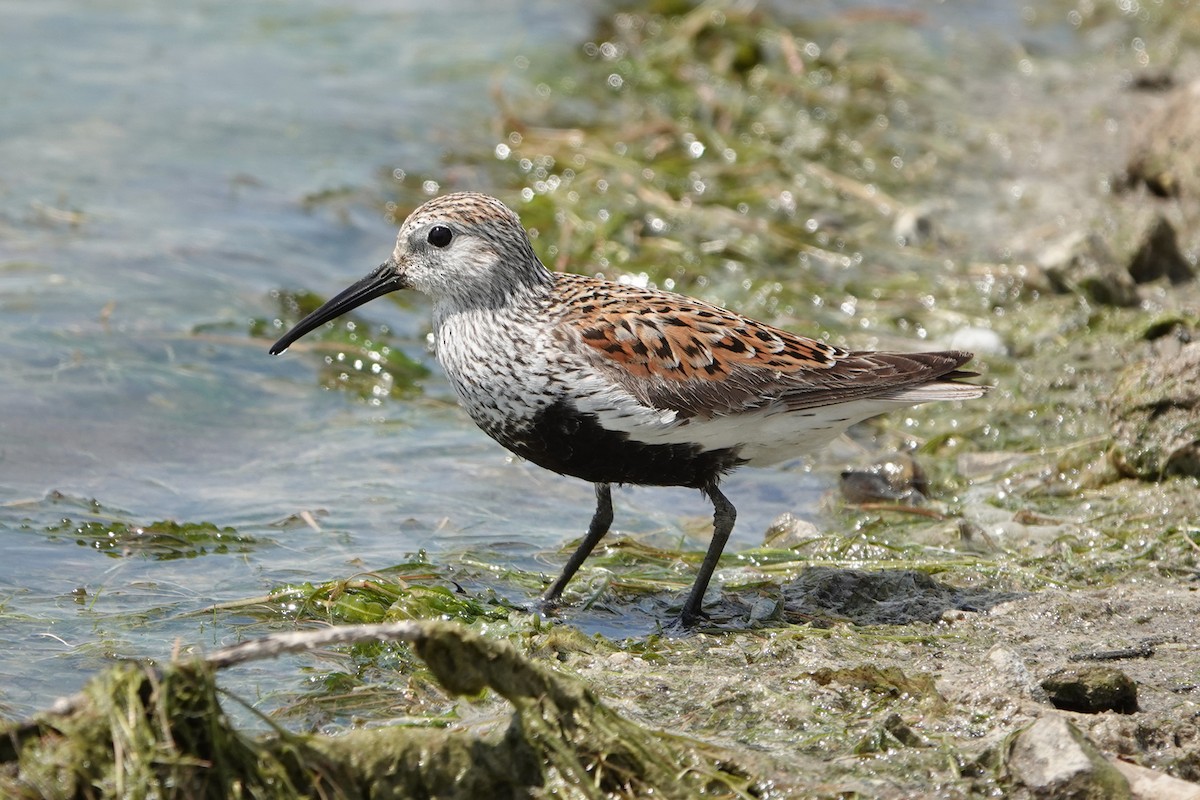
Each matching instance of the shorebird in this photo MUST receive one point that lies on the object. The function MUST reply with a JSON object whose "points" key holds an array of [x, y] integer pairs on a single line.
{"points": [[614, 383]]}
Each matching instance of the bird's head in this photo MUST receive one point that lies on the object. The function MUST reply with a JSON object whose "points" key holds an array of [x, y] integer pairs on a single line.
{"points": [[464, 250]]}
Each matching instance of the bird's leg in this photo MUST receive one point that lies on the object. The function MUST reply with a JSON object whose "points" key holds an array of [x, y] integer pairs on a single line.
{"points": [[596, 530], [724, 515]]}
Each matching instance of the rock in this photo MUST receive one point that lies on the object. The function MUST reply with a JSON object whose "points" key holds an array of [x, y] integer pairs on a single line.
{"points": [[896, 478], [1005, 668], [980, 341], [1147, 784], [972, 538], [1081, 263], [988, 529], [1092, 690], [1156, 417], [1158, 255], [892, 734], [1052, 759], [1165, 157], [766, 609], [913, 225], [1152, 81], [1176, 326], [788, 531]]}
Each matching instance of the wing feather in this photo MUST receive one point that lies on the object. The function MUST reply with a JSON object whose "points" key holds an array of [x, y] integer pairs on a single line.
{"points": [[675, 353]]}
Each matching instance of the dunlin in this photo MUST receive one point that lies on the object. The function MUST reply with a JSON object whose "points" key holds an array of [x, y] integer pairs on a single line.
{"points": [[613, 383]]}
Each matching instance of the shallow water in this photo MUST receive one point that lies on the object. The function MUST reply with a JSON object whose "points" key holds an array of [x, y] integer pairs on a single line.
{"points": [[158, 159]]}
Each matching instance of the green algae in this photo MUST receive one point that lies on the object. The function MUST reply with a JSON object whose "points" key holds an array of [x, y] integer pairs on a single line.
{"points": [[722, 153], [137, 731], [118, 534], [381, 598], [164, 540], [356, 356]]}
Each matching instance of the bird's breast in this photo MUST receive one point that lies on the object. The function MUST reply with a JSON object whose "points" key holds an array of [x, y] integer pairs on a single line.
{"points": [[497, 366], [553, 408]]}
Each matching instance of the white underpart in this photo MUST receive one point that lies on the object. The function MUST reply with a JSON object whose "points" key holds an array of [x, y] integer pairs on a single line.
{"points": [[500, 381], [765, 435]]}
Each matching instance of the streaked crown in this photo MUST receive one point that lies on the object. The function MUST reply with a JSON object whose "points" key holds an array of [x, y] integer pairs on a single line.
{"points": [[468, 249]]}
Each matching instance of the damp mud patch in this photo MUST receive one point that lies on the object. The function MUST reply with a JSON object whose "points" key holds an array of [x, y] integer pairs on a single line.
{"points": [[886, 597]]}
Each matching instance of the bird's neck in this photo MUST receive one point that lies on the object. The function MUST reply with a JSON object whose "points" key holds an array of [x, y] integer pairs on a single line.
{"points": [[521, 295]]}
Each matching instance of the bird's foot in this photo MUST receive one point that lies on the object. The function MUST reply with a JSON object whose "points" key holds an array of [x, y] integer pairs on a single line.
{"points": [[547, 605], [685, 624], [677, 629]]}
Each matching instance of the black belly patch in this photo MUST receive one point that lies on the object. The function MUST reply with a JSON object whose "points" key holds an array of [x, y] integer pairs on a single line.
{"points": [[566, 441]]}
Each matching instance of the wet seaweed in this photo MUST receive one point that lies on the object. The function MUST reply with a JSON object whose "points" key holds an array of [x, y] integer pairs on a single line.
{"points": [[356, 356], [119, 534], [164, 540], [138, 731]]}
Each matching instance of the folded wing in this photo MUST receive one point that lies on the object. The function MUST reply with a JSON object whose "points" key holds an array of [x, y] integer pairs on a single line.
{"points": [[675, 353]]}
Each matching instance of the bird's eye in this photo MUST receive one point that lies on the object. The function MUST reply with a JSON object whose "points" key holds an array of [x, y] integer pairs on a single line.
{"points": [[440, 236]]}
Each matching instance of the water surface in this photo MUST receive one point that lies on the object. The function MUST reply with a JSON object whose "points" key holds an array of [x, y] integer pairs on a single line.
{"points": [[158, 158]]}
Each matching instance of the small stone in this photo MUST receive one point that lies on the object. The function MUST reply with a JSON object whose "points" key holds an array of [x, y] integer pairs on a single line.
{"points": [[788, 531], [1007, 669], [913, 225], [981, 341], [1156, 417], [892, 734], [1166, 151], [897, 478], [1149, 784], [1092, 690], [1051, 759], [974, 539], [1152, 81], [1158, 255], [766, 609], [1081, 263], [987, 466], [895, 725]]}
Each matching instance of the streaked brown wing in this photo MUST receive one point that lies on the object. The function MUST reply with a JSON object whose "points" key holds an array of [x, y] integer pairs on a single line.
{"points": [[673, 352]]}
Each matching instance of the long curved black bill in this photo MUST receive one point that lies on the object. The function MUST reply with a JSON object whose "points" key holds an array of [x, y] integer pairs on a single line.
{"points": [[385, 278]]}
